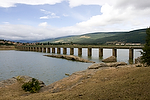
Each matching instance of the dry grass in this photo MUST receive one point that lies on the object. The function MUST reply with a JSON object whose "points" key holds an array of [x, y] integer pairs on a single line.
{"points": [[7, 47], [109, 84]]}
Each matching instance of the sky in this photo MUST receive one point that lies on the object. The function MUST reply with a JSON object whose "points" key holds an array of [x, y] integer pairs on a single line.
{"points": [[43, 19]]}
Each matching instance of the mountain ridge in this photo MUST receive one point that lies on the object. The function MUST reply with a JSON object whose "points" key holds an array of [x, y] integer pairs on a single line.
{"points": [[134, 36]]}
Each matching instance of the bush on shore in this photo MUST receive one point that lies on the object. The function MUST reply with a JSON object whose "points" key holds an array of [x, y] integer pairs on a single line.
{"points": [[32, 87]]}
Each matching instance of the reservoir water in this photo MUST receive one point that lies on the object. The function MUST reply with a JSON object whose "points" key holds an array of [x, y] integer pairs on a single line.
{"points": [[47, 69]]}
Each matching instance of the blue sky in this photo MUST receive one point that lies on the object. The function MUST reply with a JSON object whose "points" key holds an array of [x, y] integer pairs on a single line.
{"points": [[42, 19], [59, 15]]}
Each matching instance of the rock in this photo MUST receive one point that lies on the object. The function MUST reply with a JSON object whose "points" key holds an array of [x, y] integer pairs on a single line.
{"points": [[67, 74], [26, 79], [8, 82], [96, 66], [23, 79], [138, 60], [70, 57], [124, 66], [110, 59], [116, 64]]}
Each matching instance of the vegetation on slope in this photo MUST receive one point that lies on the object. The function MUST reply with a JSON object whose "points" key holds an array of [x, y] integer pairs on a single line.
{"points": [[136, 36], [80, 38], [146, 49]]}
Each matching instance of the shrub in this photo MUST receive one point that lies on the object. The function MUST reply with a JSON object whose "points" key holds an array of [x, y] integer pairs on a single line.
{"points": [[138, 65], [146, 49], [32, 87]]}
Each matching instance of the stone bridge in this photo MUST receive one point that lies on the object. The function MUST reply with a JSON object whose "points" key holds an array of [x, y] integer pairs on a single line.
{"points": [[48, 48]]}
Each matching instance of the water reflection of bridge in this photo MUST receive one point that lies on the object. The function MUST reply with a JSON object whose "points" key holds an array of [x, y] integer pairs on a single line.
{"points": [[52, 48]]}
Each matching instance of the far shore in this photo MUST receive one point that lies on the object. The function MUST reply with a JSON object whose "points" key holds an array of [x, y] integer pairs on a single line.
{"points": [[7, 47]]}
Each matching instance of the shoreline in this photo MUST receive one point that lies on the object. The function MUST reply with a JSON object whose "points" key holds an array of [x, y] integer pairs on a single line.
{"points": [[7, 47], [71, 57], [91, 70], [89, 84]]}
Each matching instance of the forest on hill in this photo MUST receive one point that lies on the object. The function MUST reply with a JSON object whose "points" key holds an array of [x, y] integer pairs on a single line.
{"points": [[135, 36]]}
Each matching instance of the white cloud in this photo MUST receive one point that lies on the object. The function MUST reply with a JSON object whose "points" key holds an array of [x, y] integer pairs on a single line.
{"points": [[6, 23], [116, 15], [75, 3], [65, 15], [45, 12], [125, 14], [25, 32], [44, 17], [11, 3], [48, 14], [44, 24], [141, 4], [49, 17]]}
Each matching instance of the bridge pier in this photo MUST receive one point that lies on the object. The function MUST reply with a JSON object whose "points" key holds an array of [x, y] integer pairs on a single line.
{"points": [[28, 48], [64, 50], [131, 50], [58, 50], [31, 48], [40, 49], [114, 52], [71, 51], [36, 49], [48, 50], [24, 48], [44, 50], [89, 51], [100, 52], [53, 50], [21, 48], [79, 51]]}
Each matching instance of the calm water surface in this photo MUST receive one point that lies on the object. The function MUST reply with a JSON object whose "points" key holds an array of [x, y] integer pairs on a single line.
{"points": [[47, 69]]}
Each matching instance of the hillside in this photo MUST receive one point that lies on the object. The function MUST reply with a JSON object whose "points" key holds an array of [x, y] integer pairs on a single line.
{"points": [[135, 36], [77, 38]]}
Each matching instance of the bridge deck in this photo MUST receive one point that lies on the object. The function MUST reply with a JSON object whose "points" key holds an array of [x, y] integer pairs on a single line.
{"points": [[87, 46]]}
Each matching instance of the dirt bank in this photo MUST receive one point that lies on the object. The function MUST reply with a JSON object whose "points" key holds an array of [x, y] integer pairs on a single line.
{"points": [[7, 47], [113, 83]]}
